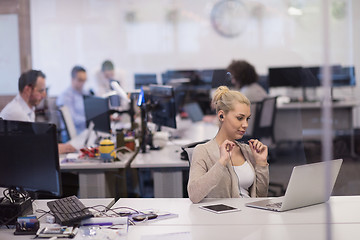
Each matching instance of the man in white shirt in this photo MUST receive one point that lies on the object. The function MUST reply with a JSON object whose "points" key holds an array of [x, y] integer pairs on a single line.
{"points": [[32, 90], [72, 98]]}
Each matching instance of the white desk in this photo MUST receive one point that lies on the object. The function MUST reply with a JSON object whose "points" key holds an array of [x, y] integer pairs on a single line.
{"points": [[249, 223], [166, 163], [167, 169], [344, 210], [92, 175], [250, 232]]}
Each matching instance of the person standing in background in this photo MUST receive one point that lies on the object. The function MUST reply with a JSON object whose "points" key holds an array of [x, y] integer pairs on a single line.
{"points": [[105, 77], [72, 98], [245, 78]]}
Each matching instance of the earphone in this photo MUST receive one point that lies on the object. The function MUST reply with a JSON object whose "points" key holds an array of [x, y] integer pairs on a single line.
{"points": [[221, 116]]}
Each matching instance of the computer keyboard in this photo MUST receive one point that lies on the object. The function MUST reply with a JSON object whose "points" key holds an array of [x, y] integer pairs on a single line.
{"points": [[69, 210]]}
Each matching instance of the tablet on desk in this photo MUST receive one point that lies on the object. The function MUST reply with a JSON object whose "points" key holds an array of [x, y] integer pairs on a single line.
{"points": [[220, 208]]}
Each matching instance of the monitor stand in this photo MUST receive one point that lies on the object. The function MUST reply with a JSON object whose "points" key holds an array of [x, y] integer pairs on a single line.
{"points": [[146, 135]]}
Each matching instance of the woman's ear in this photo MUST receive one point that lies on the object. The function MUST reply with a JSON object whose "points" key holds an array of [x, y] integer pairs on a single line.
{"points": [[221, 115]]}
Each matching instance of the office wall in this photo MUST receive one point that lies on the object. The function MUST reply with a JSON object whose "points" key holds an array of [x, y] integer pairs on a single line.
{"points": [[152, 36]]}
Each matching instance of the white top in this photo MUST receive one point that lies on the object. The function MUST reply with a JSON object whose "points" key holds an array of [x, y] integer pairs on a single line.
{"points": [[254, 92], [103, 84], [18, 110], [246, 178]]}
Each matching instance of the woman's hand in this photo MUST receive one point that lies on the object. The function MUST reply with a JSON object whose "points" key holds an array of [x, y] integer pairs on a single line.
{"points": [[226, 148], [260, 151]]}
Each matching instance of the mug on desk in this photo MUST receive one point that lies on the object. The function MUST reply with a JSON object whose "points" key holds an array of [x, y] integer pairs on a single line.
{"points": [[130, 142], [160, 139]]}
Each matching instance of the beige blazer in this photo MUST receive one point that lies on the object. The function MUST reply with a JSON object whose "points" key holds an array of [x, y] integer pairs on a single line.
{"points": [[210, 179]]}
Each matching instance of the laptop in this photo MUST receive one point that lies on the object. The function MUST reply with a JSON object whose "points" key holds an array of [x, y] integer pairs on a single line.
{"points": [[307, 186]]}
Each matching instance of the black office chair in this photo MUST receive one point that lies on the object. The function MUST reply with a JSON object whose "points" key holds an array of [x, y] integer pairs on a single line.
{"points": [[262, 121], [265, 120], [264, 131], [187, 150], [255, 109]]}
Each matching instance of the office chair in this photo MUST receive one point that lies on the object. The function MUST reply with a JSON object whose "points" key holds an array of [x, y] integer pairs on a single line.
{"points": [[255, 109], [188, 149], [265, 120], [68, 122], [264, 131]]}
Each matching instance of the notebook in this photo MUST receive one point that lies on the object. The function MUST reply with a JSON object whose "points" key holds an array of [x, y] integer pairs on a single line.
{"points": [[307, 186]]}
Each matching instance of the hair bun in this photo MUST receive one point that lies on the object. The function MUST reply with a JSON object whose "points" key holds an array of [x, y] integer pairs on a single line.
{"points": [[220, 91]]}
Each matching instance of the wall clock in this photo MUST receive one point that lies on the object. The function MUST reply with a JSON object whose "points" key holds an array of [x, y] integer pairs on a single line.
{"points": [[229, 17]]}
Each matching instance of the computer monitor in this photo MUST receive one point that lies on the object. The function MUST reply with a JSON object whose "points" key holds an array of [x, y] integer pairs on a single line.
{"points": [[29, 157], [97, 111], [309, 79], [206, 76], [345, 78], [340, 76], [285, 77], [221, 77], [162, 105], [171, 76], [144, 80]]}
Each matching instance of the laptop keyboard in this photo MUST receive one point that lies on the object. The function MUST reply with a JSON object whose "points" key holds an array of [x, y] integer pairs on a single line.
{"points": [[274, 205]]}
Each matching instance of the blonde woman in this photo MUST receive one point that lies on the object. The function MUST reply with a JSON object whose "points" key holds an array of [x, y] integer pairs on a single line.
{"points": [[223, 167]]}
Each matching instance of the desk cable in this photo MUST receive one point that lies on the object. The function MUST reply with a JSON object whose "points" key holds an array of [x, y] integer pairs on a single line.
{"points": [[237, 176]]}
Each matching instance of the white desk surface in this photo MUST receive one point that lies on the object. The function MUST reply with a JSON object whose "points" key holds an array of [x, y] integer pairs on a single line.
{"points": [[84, 164], [344, 210], [316, 105], [169, 156], [299, 224], [229, 232], [247, 232]]}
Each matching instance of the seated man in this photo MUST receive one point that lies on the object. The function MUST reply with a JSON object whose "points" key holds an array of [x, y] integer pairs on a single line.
{"points": [[72, 98], [32, 90]]}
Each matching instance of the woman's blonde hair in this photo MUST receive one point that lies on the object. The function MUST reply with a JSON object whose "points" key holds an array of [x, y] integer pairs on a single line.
{"points": [[224, 99]]}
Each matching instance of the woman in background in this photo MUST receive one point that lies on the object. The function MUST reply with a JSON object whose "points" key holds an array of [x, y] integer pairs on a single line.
{"points": [[245, 78]]}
